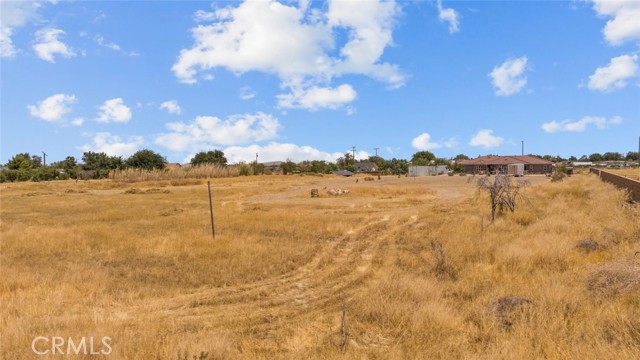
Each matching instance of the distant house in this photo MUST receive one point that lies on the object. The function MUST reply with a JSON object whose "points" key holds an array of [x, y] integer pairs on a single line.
{"points": [[493, 164], [273, 166], [581, 163], [415, 170], [366, 167]]}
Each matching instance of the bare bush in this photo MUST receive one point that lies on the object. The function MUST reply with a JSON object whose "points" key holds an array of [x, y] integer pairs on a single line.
{"points": [[614, 279], [505, 307], [588, 245], [502, 192], [442, 269]]}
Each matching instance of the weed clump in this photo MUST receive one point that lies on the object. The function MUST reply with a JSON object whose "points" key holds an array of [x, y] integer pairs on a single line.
{"points": [[504, 309], [613, 279], [588, 245]]}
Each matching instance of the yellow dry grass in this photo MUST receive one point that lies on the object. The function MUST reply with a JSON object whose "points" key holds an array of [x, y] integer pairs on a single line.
{"points": [[633, 173], [414, 262]]}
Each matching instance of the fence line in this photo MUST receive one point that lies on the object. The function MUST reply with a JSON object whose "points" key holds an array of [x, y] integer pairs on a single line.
{"points": [[620, 181]]}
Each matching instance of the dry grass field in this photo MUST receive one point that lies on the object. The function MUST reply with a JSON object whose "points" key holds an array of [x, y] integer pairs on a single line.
{"points": [[399, 268], [633, 173]]}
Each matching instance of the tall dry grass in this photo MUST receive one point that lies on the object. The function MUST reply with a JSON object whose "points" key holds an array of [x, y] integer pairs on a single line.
{"points": [[396, 269], [175, 173]]}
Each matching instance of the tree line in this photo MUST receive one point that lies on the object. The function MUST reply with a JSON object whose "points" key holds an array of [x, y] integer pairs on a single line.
{"points": [[98, 165]]}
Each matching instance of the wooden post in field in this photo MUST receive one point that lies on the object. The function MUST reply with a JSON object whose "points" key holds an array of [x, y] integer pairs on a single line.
{"points": [[213, 229]]}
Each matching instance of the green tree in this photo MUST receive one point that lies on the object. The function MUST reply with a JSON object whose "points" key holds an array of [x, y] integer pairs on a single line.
{"points": [[398, 166], [422, 158], [101, 161], [20, 161], [461, 157], [288, 167], [632, 156], [209, 157], [146, 159], [612, 156], [595, 157]]}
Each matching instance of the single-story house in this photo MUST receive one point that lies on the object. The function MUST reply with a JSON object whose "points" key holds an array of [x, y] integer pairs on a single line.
{"points": [[343, 173], [366, 167], [494, 164]]}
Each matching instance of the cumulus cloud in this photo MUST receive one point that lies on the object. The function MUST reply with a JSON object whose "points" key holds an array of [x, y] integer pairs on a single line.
{"points": [[113, 145], [114, 110], [315, 98], [615, 75], [580, 125], [423, 142], [278, 152], [47, 45], [508, 78], [296, 43], [450, 16], [53, 108], [210, 131], [13, 15], [486, 139], [623, 25], [172, 107]]}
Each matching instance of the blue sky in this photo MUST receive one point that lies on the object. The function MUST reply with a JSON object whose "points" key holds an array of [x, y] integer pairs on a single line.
{"points": [[308, 80]]}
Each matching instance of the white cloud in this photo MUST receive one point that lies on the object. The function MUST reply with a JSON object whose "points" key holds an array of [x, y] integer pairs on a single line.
{"points": [[486, 138], [208, 131], [77, 121], [508, 78], [99, 39], [172, 107], [13, 15], [47, 45], [278, 152], [580, 125], [423, 142], [113, 145], [295, 43], [53, 108], [114, 110], [624, 25], [615, 75], [204, 16], [450, 16], [315, 98], [247, 93]]}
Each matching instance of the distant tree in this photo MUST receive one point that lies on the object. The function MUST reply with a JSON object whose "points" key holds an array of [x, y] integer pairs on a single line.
{"points": [[209, 157], [632, 156], [20, 161], [398, 166], [612, 156], [146, 159], [288, 167], [345, 161], [101, 161], [595, 157], [461, 157], [573, 158], [584, 158], [422, 158], [381, 164]]}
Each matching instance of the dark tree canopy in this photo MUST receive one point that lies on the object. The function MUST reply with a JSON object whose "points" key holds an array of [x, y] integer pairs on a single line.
{"points": [[422, 158], [146, 159], [101, 161], [461, 157], [209, 157]]}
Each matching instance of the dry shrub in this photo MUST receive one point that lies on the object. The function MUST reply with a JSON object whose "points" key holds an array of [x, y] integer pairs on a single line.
{"points": [[177, 173], [442, 269], [505, 308], [614, 279], [556, 177], [587, 245], [148, 191]]}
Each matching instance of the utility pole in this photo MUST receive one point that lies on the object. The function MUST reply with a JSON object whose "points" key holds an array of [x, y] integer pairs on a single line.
{"points": [[44, 158], [255, 165], [376, 149], [353, 149], [522, 147]]}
